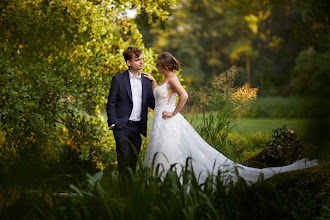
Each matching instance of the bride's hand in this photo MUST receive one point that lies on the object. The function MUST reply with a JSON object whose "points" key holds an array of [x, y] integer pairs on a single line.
{"points": [[152, 79], [148, 76], [167, 114]]}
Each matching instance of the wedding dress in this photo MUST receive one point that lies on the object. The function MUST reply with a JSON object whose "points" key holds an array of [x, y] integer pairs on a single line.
{"points": [[173, 140]]}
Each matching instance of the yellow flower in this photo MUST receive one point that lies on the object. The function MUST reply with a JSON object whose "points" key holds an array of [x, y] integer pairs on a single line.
{"points": [[244, 95]]}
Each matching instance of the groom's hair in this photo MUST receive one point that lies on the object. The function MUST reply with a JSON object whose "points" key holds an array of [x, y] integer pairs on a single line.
{"points": [[130, 52]]}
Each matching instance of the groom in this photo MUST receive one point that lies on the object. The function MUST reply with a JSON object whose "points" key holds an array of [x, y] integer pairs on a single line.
{"points": [[127, 109]]}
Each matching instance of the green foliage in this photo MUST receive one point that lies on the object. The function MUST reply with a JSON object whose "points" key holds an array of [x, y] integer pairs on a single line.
{"points": [[283, 149], [286, 29], [263, 39], [286, 107], [309, 61], [242, 146], [56, 63], [142, 196], [206, 36], [222, 105]]}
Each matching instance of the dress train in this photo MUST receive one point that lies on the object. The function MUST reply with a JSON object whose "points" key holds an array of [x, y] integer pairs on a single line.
{"points": [[173, 140]]}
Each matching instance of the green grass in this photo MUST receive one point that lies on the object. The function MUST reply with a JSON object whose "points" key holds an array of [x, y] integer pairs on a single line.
{"points": [[249, 135], [259, 124], [269, 124], [142, 196]]}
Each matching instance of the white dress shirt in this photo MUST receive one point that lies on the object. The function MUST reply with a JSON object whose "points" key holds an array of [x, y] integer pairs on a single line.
{"points": [[136, 88]]}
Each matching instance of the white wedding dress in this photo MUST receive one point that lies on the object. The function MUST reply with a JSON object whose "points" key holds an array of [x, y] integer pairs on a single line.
{"points": [[173, 140]]}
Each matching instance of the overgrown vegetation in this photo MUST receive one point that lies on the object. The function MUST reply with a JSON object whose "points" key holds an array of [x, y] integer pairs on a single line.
{"points": [[221, 105], [56, 61], [302, 195], [287, 107], [281, 47]]}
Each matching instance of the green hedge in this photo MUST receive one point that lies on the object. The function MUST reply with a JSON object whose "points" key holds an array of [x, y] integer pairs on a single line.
{"points": [[287, 107]]}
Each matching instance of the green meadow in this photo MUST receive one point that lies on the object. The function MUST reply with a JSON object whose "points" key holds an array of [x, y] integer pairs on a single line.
{"points": [[261, 124], [269, 124]]}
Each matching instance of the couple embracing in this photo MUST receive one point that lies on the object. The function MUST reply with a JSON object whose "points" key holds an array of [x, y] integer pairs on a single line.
{"points": [[172, 139]]}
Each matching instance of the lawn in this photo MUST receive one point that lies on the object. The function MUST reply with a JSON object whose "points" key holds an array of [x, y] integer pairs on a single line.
{"points": [[260, 124], [270, 124]]}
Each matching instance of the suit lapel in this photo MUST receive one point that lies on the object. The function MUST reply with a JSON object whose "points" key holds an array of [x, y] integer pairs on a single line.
{"points": [[128, 85], [144, 90]]}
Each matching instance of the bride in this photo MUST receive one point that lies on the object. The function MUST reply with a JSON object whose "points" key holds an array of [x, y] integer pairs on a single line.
{"points": [[172, 140]]}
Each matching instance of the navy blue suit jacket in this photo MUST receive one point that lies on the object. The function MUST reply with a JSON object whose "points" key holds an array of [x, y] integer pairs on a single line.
{"points": [[120, 102]]}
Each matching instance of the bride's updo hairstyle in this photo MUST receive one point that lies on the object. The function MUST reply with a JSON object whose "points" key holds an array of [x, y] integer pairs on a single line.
{"points": [[168, 60]]}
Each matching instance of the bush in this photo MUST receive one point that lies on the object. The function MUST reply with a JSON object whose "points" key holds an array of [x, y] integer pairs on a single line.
{"points": [[246, 145], [142, 196], [284, 107]]}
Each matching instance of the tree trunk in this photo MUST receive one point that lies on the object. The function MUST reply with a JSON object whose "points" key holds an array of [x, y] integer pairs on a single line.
{"points": [[248, 68]]}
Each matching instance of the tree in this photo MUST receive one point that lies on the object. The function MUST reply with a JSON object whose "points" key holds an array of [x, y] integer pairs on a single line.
{"points": [[285, 29], [56, 63], [294, 35], [208, 37], [262, 38]]}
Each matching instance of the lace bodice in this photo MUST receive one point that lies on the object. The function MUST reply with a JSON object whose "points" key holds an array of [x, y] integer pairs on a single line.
{"points": [[163, 102]]}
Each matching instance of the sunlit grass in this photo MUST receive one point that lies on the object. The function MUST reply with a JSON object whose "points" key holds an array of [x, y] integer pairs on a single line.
{"points": [[258, 124], [270, 124]]}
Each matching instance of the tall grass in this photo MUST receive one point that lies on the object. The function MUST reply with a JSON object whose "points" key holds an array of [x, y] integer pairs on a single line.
{"points": [[143, 196], [221, 105]]}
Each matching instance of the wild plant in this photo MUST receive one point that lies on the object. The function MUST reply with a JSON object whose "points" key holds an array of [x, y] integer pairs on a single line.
{"points": [[221, 105], [141, 195]]}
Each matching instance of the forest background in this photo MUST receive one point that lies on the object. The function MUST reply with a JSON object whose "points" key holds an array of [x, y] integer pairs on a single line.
{"points": [[57, 59]]}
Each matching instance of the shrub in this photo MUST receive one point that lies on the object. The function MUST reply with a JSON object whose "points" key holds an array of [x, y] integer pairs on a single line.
{"points": [[142, 196], [284, 107]]}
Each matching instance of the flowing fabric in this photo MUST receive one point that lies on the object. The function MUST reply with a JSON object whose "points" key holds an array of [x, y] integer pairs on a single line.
{"points": [[173, 140]]}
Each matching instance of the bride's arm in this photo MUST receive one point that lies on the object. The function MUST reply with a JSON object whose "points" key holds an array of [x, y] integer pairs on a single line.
{"points": [[183, 97], [152, 79]]}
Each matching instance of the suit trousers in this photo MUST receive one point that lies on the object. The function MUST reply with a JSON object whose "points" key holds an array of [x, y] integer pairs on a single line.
{"points": [[128, 145]]}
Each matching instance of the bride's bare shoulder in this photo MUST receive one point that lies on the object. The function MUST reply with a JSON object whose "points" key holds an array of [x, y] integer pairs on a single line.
{"points": [[174, 80], [174, 84]]}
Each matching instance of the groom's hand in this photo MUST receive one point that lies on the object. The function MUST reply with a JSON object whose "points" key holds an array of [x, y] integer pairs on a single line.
{"points": [[112, 127]]}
